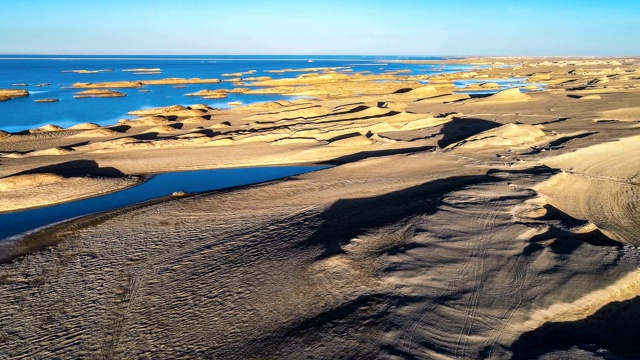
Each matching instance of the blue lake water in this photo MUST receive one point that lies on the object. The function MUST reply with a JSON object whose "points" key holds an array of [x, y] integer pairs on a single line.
{"points": [[23, 113], [15, 223], [505, 83]]}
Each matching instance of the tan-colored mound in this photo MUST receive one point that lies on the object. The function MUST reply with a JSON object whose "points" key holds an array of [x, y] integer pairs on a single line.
{"points": [[51, 100], [163, 129], [146, 121], [204, 107], [13, 93], [482, 86], [211, 94], [160, 110], [98, 132], [28, 181], [540, 77], [52, 151], [624, 114], [176, 81], [84, 126], [239, 90], [113, 84], [258, 78], [513, 135], [4, 134], [590, 97], [48, 127], [142, 70], [509, 95], [424, 91], [221, 125], [176, 110], [98, 93]]}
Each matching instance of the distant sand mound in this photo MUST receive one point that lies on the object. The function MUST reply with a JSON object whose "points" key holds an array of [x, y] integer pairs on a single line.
{"points": [[163, 129], [211, 94], [505, 96], [52, 151], [505, 135], [176, 110], [12, 93], [146, 121], [424, 91], [624, 114], [590, 97], [48, 127], [84, 126], [201, 107], [156, 111], [98, 93], [99, 132], [221, 125]]}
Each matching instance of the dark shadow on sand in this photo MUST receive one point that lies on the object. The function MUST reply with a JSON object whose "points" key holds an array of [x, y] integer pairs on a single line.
{"points": [[462, 128], [563, 241], [613, 332], [346, 219], [375, 153], [75, 168]]}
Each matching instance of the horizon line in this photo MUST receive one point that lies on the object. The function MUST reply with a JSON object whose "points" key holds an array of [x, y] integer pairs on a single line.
{"points": [[309, 55]]}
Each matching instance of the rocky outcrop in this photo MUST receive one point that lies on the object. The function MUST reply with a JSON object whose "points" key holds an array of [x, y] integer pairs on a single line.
{"points": [[211, 94], [8, 94], [97, 93]]}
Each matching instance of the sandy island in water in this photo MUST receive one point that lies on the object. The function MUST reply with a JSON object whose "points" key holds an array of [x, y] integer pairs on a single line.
{"points": [[455, 226]]}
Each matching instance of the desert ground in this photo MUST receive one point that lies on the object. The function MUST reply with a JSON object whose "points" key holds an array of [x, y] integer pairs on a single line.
{"points": [[453, 226]]}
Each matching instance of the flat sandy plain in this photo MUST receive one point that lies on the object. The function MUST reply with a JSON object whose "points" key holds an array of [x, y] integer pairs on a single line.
{"points": [[454, 227]]}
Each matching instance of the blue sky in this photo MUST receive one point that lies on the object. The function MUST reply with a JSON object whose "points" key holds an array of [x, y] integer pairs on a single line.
{"points": [[371, 27]]}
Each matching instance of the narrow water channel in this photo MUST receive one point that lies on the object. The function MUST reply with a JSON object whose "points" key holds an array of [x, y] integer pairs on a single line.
{"points": [[20, 222]]}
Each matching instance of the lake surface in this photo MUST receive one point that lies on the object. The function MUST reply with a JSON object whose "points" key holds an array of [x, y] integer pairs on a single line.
{"points": [[23, 113], [16, 223]]}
